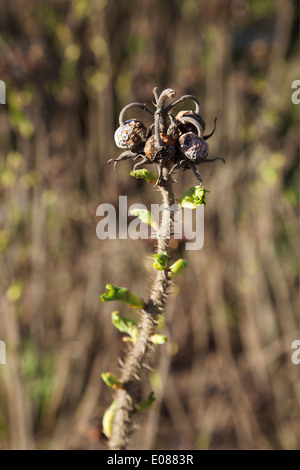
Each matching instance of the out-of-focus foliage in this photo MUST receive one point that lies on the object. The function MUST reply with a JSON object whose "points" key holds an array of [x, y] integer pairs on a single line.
{"points": [[225, 377]]}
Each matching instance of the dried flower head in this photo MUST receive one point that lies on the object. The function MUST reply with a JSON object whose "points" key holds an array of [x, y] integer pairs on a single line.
{"points": [[170, 142]]}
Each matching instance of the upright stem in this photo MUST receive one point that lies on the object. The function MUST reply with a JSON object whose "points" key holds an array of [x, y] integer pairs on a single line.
{"points": [[129, 396]]}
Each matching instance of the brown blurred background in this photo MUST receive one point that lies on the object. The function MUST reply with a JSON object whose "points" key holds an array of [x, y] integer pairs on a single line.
{"points": [[225, 379]]}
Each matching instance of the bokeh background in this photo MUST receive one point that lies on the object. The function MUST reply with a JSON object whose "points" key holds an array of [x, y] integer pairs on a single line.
{"points": [[225, 379]]}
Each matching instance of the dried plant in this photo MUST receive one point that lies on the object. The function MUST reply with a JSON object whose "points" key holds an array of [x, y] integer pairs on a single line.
{"points": [[170, 143]]}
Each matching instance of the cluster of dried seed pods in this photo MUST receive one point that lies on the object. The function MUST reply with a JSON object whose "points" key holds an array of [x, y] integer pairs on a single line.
{"points": [[171, 142]]}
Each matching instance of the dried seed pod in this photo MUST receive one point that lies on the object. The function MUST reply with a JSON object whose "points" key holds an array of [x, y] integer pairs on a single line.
{"points": [[131, 135], [151, 148], [156, 153], [187, 113], [193, 147]]}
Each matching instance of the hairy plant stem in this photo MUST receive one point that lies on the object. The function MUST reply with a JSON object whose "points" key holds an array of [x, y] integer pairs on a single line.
{"points": [[129, 396]]}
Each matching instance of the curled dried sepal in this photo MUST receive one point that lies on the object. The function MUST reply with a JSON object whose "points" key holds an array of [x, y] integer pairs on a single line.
{"points": [[125, 325], [145, 405], [111, 381], [108, 419], [126, 108], [178, 267], [145, 216], [167, 93], [158, 339], [183, 115], [160, 261], [123, 295], [194, 197], [181, 99], [144, 174]]}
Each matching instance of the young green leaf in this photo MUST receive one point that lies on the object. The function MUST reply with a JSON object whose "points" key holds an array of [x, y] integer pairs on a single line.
{"points": [[125, 325], [111, 380], [160, 261], [123, 295], [178, 267], [161, 321], [158, 339], [145, 405], [128, 339], [144, 174], [145, 216], [194, 197], [108, 419]]}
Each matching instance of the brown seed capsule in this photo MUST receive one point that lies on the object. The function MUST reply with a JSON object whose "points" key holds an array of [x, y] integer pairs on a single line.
{"points": [[156, 153], [193, 147], [131, 136], [151, 148], [187, 113]]}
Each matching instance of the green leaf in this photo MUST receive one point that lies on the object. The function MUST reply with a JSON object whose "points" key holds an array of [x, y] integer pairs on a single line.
{"points": [[161, 321], [158, 339], [178, 267], [145, 405], [160, 261], [128, 339], [111, 381], [194, 197], [108, 419], [123, 295], [125, 325], [144, 174], [145, 216]]}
